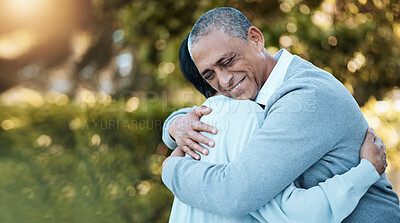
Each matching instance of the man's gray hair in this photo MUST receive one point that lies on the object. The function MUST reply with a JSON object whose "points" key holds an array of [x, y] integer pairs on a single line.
{"points": [[231, 21]]}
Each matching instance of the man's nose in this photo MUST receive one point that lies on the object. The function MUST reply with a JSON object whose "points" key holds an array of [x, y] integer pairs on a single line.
{"points": [[225, 78]]}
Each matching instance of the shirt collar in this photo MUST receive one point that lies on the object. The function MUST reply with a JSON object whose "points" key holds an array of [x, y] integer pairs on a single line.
{"points": [[276, 77]]}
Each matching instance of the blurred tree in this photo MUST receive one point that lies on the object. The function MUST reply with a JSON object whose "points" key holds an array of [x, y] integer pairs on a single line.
{"points": [[357, 41]]}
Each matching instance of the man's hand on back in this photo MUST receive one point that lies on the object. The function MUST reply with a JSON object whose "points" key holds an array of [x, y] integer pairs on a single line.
{"points": [[185, 130], [374, 151]]}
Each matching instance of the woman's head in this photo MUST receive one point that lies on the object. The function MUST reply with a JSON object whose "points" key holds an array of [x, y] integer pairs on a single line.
{"points": [[191, 73]]}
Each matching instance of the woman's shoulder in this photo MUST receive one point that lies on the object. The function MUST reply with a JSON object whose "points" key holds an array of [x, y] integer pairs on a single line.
{"points": [[226, 104]]}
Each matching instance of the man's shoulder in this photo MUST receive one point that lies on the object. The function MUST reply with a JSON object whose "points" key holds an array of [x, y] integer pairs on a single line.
{"points": [[308, 89], [300, 67], [305, 77]]}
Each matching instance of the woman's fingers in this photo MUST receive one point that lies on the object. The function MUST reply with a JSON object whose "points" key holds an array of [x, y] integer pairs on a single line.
{"points": [[370, 136], [374, 151]]}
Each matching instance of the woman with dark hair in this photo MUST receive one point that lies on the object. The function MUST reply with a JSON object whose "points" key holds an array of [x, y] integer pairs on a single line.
{"points": [[191, 73], [330, 201]]}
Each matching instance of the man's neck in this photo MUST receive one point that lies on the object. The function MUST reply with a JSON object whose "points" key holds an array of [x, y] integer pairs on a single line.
{"points": [[271, 62]]}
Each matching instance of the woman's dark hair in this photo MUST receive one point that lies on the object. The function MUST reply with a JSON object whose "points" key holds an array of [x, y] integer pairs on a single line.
{"points": [[191, 73]]}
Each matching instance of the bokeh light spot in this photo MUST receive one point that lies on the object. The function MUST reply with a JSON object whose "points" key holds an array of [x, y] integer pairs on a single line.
{"points": [[124, 63], [285, 7], [285, 41], [291, 27], [43, 141], [144, 187], [332, 41], [95, 140], [7, 124], [304, 9], [132, 104], [160, 44], [118, 35], [75, 123]]}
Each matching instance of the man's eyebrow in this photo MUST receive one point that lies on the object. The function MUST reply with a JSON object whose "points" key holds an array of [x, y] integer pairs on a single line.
{"points": [[218, 63]]}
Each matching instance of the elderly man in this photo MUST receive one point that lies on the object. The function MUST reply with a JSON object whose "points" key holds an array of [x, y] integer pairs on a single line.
{"points": [[313, 128]]}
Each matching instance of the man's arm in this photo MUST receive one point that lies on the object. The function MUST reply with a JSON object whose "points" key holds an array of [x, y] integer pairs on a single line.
{"points": [[289, 142]]}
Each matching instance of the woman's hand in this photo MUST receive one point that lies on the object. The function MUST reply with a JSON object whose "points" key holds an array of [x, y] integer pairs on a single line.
{"points": [[178, 152], [185, 130], [374, 151]]}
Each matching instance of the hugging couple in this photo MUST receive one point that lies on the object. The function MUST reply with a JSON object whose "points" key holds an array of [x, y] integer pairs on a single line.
{"points": [[291, 145]]}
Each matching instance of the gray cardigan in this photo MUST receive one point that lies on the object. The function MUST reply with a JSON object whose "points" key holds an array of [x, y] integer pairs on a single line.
{"points": [[313, 130]]}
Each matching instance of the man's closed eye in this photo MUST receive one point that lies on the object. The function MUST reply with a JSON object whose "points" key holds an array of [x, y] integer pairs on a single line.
{"points": [[209, 76], [227, 62]]}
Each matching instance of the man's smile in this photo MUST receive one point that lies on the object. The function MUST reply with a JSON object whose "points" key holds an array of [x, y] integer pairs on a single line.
{"points": [[236, 87]]}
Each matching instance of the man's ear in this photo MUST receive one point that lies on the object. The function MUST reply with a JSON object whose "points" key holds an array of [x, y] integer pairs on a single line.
{"points": [[255, 36]]}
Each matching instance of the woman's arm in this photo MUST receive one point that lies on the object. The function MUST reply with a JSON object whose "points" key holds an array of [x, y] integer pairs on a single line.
{"points": [[332, 200]]}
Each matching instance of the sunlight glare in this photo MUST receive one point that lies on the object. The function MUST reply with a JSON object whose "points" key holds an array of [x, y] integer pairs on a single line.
{"points": [[15, 44], [24, 8]]}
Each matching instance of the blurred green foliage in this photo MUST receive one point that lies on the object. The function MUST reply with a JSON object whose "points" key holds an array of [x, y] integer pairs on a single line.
{"points": [[79, 163]]}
